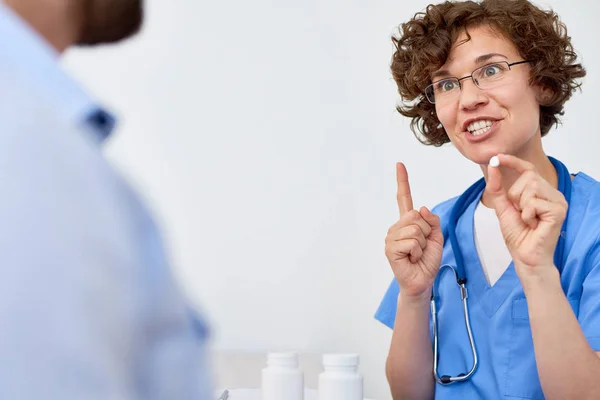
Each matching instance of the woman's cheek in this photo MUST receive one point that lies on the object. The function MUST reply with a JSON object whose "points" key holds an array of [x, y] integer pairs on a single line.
{"points": [[445, 117]]}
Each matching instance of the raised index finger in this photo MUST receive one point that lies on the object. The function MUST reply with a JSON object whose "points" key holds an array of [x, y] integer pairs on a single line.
{"points": [[403, 196]]}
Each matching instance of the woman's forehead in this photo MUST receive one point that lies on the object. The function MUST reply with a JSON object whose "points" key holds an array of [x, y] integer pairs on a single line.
{"points": [[481, 45]]}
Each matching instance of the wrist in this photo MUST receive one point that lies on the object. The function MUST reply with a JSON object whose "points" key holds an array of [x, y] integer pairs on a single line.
{"points": [[543, 278], [417, 300]]}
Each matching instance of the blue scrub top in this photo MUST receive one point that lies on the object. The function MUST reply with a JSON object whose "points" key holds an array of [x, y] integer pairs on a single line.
{"points": [[499, 316]]}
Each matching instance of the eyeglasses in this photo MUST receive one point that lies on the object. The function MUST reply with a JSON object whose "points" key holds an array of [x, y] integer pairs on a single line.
{"points": [[486, 77]]}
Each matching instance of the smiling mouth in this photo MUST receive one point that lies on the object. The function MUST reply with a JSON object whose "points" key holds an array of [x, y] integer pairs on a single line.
{"points": [[479, 128]]}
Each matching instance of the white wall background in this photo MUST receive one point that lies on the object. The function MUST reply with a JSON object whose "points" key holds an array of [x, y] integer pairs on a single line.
{"points": [[264, 135]]}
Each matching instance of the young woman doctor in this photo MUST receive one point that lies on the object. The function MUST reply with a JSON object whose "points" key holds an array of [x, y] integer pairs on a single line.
{"points": [[496, 292]]}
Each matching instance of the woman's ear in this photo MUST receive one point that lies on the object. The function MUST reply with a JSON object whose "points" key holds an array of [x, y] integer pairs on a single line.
{"points": [[544, 95]]}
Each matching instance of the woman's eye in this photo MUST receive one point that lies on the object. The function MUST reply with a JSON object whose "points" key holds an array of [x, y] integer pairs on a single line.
{"points": [[447, 86], [491, 70]]}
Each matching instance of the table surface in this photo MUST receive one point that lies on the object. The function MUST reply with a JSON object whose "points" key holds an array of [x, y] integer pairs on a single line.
{"points": [[254, 394]]}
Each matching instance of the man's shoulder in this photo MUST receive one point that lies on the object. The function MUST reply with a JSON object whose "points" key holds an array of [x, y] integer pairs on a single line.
{"points": [[54, 174]]}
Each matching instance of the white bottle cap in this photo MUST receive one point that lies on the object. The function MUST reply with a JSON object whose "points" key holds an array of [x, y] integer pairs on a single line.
{"points": [[340, 360], [287, 359]]}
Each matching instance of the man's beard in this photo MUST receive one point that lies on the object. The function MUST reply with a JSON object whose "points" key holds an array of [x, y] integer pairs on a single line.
{"points": [[108, 21]]}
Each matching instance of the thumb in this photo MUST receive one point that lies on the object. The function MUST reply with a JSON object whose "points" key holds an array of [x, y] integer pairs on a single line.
{"points": [[495, 190], [434, 221]]}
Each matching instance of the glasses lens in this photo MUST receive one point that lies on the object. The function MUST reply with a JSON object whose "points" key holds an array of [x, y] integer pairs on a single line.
{"points": [[443, 90], [488, 75], [429, 93]]}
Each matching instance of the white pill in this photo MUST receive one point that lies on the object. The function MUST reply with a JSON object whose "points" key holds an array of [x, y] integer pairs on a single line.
{"points": [[495, 161]]}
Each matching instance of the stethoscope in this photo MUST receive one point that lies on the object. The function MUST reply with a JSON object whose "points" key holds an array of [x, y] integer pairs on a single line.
{"points": [[461, 205]]}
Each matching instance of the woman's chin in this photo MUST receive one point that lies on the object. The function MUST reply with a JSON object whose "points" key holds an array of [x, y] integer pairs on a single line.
{"points": [[482, 153], [483, 158]]}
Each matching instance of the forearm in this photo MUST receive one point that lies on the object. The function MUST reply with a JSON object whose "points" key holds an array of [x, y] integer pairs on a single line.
{"points": [[567, 366], [409, 366]]}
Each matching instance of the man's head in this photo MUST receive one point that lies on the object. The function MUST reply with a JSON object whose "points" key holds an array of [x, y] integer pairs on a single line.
{"points": [[108, 21], [64, 23]]}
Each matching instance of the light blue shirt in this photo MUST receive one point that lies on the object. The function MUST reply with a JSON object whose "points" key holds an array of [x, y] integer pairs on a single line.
{"points": [[88, 307], [499, 315]]}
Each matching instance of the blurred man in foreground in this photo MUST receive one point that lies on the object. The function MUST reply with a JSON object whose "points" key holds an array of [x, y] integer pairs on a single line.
{"points": [[88, 307]]}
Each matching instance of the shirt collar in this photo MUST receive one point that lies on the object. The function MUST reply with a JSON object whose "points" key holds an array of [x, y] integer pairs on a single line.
{"points": [[36, 64]]}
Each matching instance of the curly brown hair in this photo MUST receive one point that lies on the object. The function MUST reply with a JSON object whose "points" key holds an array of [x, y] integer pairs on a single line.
{"points": [[424, 42]]}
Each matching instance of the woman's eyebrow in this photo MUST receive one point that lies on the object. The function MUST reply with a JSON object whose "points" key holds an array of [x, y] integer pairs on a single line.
{"points": [[479, 60], [486, 57]]}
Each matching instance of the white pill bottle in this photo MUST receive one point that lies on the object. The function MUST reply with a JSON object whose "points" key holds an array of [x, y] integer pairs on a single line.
{"points": [[282, 379], [341, 379]]}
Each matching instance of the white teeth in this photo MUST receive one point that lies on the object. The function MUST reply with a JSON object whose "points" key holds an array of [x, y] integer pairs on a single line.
{"points": [[478, 125], [480, 131]]}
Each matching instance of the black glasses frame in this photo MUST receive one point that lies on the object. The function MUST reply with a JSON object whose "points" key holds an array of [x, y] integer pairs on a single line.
{"points": [[429, 88]]}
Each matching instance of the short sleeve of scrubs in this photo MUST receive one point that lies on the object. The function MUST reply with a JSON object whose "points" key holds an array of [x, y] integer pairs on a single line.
{"points": [[386, 313], [589, 303]]}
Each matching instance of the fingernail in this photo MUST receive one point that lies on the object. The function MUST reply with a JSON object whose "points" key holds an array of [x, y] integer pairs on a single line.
{"points": [[495, 161]]}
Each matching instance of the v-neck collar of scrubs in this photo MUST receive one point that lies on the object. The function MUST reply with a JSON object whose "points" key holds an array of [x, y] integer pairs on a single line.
{"points": [[489, 298]]}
